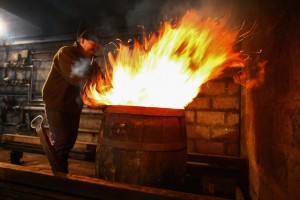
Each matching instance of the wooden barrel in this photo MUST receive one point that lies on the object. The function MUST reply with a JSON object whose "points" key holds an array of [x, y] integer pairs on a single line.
{"points": [[142, 145]]}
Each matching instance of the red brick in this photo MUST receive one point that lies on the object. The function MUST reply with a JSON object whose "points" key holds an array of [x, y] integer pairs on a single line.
{"points": [[199, 103], [213, 88], [208, 147], [225, 134], [233, 119], [189, 116], [233, 88], [210, 118], [232, 149], [200, 132], [225, 103]]}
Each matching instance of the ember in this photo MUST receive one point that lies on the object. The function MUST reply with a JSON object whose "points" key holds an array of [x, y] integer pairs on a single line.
{"points": [[168, 69]]}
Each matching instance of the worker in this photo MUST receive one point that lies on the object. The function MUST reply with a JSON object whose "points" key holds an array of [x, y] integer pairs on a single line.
{"points": [[61, 92]]}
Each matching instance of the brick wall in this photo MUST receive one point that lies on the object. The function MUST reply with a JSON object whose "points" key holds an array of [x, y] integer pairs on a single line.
{"points": [[213, 119]]}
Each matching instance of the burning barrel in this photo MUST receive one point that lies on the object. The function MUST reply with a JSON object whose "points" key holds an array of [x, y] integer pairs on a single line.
{"points": [[142, 145]]}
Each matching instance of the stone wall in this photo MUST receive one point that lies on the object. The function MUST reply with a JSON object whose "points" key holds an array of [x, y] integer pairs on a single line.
{"points": [[271, 112], [213, 118]]}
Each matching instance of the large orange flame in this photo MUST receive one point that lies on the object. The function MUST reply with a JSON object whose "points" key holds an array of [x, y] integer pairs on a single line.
{"points": [[168, 69]]}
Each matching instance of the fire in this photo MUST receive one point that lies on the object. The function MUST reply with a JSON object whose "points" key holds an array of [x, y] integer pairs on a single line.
{"points": [[168, 69]]}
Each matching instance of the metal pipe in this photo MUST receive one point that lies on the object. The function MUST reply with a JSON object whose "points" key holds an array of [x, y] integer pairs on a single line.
{"points": [[30, 85], [39, 52], [34, 108], [40, 39], [41, 60], [14, 95], [41, 108], [82, 130]]}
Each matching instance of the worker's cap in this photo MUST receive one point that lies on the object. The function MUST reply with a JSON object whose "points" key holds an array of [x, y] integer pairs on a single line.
{"points": [[90, 34]]}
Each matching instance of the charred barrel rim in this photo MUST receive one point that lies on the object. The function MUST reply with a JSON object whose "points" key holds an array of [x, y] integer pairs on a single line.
{"points": [[140, 110], [144, 111]]}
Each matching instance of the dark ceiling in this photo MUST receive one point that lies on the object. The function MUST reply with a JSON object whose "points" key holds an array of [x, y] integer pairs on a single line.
{"points": [[49, 20], [69, 16]]}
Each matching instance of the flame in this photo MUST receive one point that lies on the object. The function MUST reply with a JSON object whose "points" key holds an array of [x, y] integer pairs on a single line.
{"points": [[168, 69]]}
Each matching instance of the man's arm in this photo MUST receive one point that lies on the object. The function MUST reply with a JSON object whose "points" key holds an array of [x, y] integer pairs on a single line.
{"points": [[71, 67]]}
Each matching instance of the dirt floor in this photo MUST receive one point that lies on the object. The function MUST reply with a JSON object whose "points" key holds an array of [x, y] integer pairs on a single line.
{"points": [[39, 162]]}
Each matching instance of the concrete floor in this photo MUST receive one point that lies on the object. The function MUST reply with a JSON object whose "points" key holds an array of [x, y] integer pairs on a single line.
{"points": [[38, 162]]}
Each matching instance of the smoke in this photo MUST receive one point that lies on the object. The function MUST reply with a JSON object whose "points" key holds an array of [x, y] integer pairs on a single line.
{"points": [[81, 67], [141, 13], [149, 13], [154, 12]]}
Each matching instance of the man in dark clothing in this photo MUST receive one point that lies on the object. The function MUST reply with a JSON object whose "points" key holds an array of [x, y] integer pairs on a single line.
{"points": [[70, 69]]}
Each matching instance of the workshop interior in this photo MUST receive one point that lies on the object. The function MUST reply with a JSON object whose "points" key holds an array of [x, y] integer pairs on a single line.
{"points": [[195, 99]]}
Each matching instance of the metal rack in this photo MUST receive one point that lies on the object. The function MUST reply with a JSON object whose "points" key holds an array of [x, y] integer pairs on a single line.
{"points": [[16, 90]]}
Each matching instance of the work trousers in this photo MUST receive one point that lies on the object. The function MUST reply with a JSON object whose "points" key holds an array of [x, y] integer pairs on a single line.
{"points": [[63, 133]]}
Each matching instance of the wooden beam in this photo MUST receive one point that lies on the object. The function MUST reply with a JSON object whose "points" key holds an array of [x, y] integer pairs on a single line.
{"points": [[31, 144], [15, 138], [217, 159], [85, 187]]}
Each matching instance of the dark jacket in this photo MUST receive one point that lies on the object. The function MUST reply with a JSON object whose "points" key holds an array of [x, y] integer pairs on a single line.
{"points": [[62, 88]]}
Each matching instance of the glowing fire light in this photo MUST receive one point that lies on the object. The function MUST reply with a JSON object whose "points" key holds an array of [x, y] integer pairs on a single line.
{"points": [[168, 69]]}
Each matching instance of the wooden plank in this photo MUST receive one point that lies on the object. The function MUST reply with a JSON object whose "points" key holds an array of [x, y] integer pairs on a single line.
{"points": [[217, 159], [86, 187], [37, 149], [19, 138], [15, 138], [16, 191], [31, 144]]}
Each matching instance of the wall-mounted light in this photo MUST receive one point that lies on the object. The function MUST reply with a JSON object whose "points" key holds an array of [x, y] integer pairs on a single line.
{"points": [[3, 28]]}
